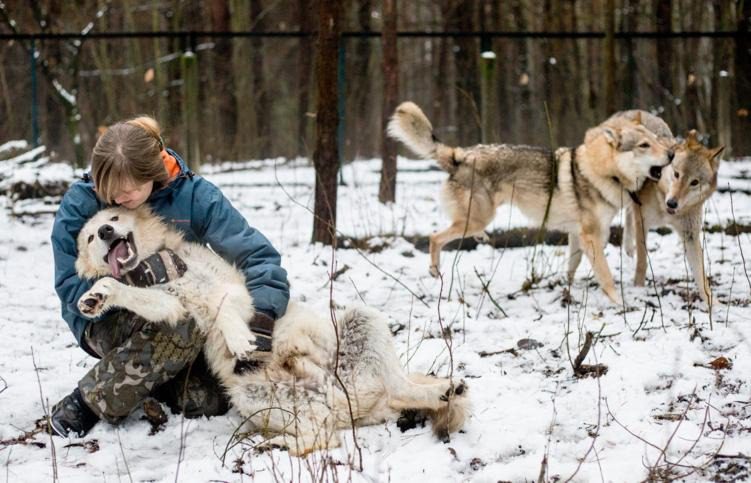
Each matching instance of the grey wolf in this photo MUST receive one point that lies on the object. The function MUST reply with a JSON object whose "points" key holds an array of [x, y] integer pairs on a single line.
{"points": [[588, 183], [676, 200], [320, 376]]}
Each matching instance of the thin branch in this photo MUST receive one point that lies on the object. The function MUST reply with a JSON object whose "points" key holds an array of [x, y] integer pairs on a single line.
{"points": [[45, 408]]}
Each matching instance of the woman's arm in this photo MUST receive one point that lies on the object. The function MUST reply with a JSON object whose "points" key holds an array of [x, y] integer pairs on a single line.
{"points": [[77, 206], [220, 225]]}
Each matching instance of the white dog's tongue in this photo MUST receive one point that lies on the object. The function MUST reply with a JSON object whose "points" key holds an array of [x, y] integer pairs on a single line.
{"points": [[120, 250]]}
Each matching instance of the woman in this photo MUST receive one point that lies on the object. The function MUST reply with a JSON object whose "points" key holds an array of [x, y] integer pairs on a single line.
{"points": [[131, 167]]}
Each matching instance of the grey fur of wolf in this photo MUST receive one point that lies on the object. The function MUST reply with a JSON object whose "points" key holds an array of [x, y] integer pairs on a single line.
{"points": [[591, 184], [293, 396]]}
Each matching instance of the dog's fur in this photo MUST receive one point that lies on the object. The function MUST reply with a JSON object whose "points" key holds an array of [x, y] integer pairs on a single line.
{"points": [[673, 201], [293, 392], [589, 188]]}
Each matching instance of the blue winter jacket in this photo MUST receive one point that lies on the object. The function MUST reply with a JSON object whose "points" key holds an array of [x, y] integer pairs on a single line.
{"points": [[201, 212]]}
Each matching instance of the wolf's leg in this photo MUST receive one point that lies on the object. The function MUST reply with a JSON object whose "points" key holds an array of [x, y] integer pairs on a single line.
{"points": [[695, 256], [150, 304], [593, 245], [574, 256], [640, 232], [470, 214], [628, 231]]}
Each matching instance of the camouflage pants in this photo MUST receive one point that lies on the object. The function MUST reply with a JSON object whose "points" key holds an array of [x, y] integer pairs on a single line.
{"points": [[141, 359]]}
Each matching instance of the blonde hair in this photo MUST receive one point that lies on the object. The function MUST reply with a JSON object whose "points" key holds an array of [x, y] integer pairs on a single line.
{"points": [[127, 152]]}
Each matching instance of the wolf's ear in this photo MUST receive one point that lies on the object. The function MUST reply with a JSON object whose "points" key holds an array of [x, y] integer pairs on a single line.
{"points": [[714, 157], [612, 136], [637, 118], [692, 140]]}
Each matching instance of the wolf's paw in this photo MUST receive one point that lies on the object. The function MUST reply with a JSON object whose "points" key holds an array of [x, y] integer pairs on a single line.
{"points": [[482, 238], [94, 302], [457, 390], [434, 272]]}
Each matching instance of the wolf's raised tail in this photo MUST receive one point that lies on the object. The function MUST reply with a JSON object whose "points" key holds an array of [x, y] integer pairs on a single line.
{"points": [[411, 126]]}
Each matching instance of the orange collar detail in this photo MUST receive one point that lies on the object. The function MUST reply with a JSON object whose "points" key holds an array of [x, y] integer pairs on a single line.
{"points": [[170, 164]]}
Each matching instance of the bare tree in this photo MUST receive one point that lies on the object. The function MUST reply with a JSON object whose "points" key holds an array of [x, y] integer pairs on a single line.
{"points": [[223, 78], [60, 72], [304, 55], [742, 121], [609, 57], [326, 156], [387, 188]]}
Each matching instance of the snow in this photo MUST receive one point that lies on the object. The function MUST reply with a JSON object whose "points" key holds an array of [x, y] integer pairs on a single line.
{"points": [[527, 405], [13, 145]]}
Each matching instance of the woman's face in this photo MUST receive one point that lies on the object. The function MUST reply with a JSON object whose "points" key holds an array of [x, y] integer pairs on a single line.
{"points": [[131, 195]]}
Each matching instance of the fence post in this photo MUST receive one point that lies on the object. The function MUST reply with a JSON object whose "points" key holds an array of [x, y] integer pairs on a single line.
{"points": [[189, 68], [34, 97], [487, 90]]}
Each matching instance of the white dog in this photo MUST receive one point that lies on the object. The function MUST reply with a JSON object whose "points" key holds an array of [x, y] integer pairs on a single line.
{"points": [[311, 385]]}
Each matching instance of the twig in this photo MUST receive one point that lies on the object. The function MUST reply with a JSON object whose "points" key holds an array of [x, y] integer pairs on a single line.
{"points": [[337, 376], [359, 252], [46, 417], [485, 289], [122, 452], [740, 246], [583, 352], [5, 384], [596, 432]]}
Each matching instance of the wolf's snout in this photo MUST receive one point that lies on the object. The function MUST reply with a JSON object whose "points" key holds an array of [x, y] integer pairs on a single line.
{"points": [[106, 232], [672, 204], [671, 155]]}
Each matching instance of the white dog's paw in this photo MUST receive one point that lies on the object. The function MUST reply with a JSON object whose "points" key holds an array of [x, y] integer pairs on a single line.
{"points": [[95, 301], [242, 349]]}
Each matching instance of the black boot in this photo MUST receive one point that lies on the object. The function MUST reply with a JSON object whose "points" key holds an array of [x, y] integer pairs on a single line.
{"points": [[72, 416]]}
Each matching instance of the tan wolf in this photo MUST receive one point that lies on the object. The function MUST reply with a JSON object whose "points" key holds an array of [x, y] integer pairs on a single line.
{"points": [[677, 200], [293, 393], [589, 183]]}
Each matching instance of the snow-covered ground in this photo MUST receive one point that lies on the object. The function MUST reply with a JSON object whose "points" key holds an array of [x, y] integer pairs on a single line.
{"points": [[660, 407]]}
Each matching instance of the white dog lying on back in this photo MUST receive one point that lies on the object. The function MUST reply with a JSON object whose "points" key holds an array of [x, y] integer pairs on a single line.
{"points": [[294, 395]]}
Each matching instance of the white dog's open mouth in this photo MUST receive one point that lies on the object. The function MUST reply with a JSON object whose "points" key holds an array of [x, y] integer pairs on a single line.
{"points": [[122, 255]]}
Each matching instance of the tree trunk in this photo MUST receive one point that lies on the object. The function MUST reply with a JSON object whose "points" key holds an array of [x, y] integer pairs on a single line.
{"points": [[630, 90], [306, 23], [326, 156], [262, 105], [609, 77], [223, 79], [387, 187], [663, 17], [742, 118], [467, 73], [720, 129], [362, 93]]}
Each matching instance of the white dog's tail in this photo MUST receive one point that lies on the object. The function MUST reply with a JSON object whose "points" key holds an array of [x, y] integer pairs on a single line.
{"points": [[411, 126]]}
